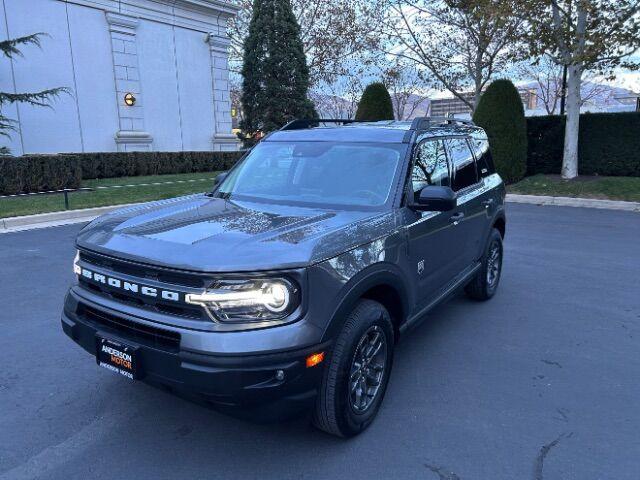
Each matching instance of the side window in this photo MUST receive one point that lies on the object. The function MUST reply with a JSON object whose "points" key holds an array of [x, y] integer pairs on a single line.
{"points": [[430, 166], [483, 157], [463, 163]]}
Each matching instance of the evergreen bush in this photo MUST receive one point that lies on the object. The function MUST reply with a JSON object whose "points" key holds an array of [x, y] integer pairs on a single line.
{"points": [[375, 104], [501, 113], [274, 70]]}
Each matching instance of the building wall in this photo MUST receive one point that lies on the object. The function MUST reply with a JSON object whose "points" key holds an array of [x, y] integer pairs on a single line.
{"points": [[171, 54], [441, 107]]}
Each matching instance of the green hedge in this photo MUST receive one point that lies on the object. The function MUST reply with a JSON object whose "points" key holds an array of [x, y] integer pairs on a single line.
{"points": [[39, 173], [609, 144], [133, 164], [36, 173]]}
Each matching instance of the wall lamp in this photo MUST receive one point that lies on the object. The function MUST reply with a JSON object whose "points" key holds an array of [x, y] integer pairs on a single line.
{"points": [[129, 99]]}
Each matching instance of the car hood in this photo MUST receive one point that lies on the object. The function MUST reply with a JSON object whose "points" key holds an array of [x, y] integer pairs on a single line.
{"points": [[207, 234]]}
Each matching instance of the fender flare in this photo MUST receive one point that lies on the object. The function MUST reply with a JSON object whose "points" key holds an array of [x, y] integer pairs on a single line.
{"points": [[499, 215], [380, 274]]}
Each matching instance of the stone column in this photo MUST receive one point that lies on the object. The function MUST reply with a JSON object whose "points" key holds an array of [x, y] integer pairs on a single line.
{"points": [[131, 135], [223, 138]]}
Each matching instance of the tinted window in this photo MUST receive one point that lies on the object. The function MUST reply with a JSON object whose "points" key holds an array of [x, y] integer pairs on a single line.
{"points": [[430, 166], [316, 172], [463, 163], [483, 156]]}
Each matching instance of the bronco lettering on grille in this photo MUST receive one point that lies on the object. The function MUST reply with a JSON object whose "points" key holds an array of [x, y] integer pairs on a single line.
{"points": [[130, 286]]}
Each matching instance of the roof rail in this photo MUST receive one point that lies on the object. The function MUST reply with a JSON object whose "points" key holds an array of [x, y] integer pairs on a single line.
{"points": [[301, 124], [422, 123]]}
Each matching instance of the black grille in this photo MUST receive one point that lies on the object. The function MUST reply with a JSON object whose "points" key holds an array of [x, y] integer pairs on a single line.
{"points": [[146, 271], [140, 333], [171, 278], [182, 310]]}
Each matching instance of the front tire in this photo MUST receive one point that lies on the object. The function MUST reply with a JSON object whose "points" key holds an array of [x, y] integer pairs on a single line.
{"points": [[355, 379], [485, 283]]}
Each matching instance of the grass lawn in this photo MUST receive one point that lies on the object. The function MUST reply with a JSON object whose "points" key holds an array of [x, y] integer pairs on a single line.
{"points": [[121, 192], [610, 188]]}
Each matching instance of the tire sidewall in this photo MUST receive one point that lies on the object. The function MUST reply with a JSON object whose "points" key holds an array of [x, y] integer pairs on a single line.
{"points": [[495, 237], [349, 421]]}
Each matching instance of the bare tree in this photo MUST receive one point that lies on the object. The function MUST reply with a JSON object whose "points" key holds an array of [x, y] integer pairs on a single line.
{"points": [[547, 76], [462, 43], [235, 94], [596, 35], [332, 31], [404, 82], [339, 99]]}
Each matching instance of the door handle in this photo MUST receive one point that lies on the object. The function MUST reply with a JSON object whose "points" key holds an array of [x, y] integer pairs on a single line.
{"points": [[456, 217]]}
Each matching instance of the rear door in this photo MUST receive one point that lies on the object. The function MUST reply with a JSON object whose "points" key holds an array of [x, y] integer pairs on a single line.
{"points": [[433, 241], [468, 187]]}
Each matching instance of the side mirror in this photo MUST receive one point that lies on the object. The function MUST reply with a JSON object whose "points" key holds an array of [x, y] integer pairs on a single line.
{"points": [[220, 178], [436, 199]]}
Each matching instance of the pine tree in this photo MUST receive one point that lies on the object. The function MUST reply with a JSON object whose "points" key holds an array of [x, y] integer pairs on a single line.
{"points": [[11, 49], [274, 70], [375, 104], [501, 114]]}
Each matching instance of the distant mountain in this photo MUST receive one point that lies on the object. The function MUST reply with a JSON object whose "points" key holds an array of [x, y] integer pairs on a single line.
{"points": [[333, 106], [597, 97], [411, 105]]}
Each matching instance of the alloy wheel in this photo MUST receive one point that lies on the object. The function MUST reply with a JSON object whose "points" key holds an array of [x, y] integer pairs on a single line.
{"points": [[367, 369], [494, 263]]}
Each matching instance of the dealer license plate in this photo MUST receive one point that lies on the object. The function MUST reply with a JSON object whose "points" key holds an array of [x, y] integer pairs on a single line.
{"points": [[117, 357]]}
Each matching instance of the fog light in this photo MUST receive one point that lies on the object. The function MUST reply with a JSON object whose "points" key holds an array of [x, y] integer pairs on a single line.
{"points": [[315, 359], [279, 375]]}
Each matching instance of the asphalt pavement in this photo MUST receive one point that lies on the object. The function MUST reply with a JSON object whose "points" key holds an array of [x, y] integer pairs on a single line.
{"points": [[542, 382]]}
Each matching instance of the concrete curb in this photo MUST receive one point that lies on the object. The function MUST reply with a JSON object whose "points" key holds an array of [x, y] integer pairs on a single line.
{"points": [[574, 202], [55, 219]]}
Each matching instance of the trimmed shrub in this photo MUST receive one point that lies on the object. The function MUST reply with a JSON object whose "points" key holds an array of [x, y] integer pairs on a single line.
{"points": [[501, 114], [375, 104], [36, 173], [39, 173], [609, 144]]}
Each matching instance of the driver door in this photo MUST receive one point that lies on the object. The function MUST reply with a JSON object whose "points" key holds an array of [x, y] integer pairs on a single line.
{"points": [[434, 245]]}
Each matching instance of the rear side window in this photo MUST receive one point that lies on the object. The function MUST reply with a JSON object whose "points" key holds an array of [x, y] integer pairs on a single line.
{"points": [[484, 159], [430, 166], [464, 165]]}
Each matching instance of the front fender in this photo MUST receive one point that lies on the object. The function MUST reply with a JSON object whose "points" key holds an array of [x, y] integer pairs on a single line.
{"points": [[382, 274]]}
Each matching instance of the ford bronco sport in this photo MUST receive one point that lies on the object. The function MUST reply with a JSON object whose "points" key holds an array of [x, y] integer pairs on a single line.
{"points": [[289, 285]]}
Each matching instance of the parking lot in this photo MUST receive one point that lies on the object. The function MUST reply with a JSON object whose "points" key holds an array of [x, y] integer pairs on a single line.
{"points": [[541, 382]]}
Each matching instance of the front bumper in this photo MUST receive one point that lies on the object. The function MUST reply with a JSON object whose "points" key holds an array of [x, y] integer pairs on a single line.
{"points": [[228, 380]]}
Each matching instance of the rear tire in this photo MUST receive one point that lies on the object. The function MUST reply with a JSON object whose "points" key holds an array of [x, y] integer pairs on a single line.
{"points": [[485, 283], [355, 379]]}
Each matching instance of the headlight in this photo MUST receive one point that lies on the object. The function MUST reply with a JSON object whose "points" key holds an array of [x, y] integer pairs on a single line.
{"points": [[76, 267], [248, 300]]}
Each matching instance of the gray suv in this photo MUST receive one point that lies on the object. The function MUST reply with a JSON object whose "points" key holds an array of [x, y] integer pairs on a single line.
{"points": [[288, 286]]}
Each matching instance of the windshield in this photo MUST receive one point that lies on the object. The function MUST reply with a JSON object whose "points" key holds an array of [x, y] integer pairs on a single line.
{"points": [[350, 174]]}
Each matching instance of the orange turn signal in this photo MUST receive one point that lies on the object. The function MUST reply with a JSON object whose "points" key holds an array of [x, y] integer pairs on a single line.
{"points": [[315, 359]]}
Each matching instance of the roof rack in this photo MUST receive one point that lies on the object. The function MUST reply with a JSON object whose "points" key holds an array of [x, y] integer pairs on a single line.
{"points": [[422, 123], [302, 124], [419, 123]]}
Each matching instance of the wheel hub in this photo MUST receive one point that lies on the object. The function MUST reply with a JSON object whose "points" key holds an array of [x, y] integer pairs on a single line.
{"points": [[493, 264], [367, 369]]}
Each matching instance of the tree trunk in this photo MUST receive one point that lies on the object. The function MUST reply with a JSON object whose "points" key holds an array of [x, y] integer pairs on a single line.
{"points": [[570, 157]]}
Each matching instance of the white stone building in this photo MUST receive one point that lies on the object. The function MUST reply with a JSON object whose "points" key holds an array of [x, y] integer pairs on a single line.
{"points": [[170, 55]]}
